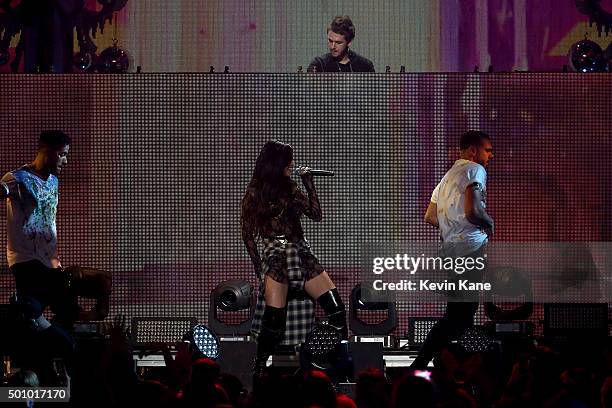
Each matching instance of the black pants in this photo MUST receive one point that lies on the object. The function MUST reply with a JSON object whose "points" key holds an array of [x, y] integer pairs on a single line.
{"points": [[459, 316], [50, 287], [34, 348]]}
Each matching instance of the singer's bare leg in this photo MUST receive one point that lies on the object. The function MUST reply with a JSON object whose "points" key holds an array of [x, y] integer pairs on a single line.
{"points": [[319, 285], [276, 292]]}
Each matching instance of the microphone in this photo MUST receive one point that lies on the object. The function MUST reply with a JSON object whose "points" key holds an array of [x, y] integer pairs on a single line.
{"points": [[323, 173]]}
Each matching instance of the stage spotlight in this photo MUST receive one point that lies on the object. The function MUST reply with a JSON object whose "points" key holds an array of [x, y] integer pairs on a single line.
{"points": [[473, 340], [83, 61], [91, 283], [236, 297], [233, 295], [577, 329], [568, 320], [167, 330], [204, 340], [362, 294], [359, 303], [325, 350], [320, 346], [418, 329], [511, 305]]}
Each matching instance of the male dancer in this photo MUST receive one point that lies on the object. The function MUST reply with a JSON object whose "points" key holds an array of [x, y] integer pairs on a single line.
{"points": [[32, 192], [32, 197], [458, 209]]}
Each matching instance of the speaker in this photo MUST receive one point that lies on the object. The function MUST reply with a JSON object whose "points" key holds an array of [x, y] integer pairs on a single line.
{"points": [[237, 359]]}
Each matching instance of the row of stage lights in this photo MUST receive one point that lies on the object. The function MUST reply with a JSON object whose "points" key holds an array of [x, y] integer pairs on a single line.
{"points": [[238, 296], [324, 348]]}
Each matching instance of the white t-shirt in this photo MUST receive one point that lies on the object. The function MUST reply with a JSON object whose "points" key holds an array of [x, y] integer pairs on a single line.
{"points": [[449, 196], [31, 219]]}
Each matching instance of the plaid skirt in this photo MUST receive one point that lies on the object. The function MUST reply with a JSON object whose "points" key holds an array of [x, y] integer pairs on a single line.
{"points": [[300, 311]]}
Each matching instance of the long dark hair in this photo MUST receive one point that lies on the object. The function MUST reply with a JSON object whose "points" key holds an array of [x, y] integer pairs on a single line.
{"points": [[269, 186]]}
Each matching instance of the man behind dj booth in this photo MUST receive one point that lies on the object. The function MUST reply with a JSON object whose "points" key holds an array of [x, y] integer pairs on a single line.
{"points": [[341, 58]]}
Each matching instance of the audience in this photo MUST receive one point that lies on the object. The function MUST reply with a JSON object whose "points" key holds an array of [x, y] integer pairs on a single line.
{"points": [[372, 389], [539, 377]]}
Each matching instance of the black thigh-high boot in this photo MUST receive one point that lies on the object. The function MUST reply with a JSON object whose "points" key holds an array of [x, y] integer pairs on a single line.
{"points": [[334, 310], [272, 329]]}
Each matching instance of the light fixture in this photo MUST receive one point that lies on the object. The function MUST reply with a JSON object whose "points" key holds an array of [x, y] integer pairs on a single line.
{"points": [[359, 303], [320, 346], [167, 330], [236, 297], [472, 340], [418, 329], [576, 320], [91, 283], [511, 305], [204, 340], [325, 350]]}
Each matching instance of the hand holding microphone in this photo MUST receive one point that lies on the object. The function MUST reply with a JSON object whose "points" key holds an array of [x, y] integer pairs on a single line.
{"points": [[303, 171]]}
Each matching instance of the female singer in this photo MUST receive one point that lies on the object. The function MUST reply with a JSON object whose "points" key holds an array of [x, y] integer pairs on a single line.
{"points": [[271, 211]]}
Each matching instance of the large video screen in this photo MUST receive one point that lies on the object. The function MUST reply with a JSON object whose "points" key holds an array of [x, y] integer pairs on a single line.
{"points": [[159, 164]]}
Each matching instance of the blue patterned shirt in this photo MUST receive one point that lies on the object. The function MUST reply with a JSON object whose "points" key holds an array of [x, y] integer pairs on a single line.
{"points": [[31, 214]]}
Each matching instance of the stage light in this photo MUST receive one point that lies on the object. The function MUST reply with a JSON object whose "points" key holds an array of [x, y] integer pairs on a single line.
{"points": [[473, 340], [359, 302], [91, 283], [418, 329], [236, 297], [364, 293], [233, 295], [83, 60], [325, 350], [167, 330], [587, 320], [320, 346], [113, 60], [578, 329], [205, 340], [512, 304]]}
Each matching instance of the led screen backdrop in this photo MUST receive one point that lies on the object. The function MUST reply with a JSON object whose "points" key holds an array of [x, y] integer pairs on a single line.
{"points": [[160, 162]]}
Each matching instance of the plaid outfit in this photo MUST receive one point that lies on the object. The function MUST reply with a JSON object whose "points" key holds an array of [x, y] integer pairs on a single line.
{"points": [[300, 310]]}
